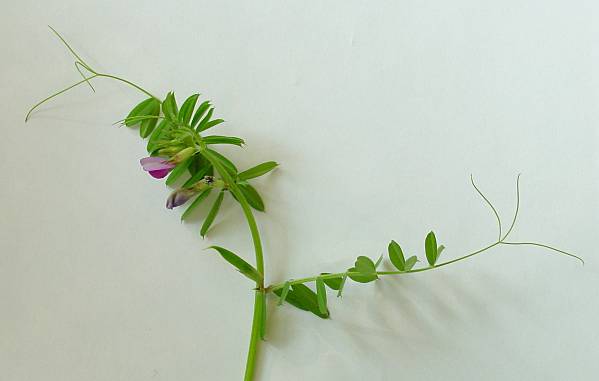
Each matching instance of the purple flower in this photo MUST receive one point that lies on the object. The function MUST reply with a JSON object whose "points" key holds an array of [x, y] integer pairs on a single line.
{"points": [[158, 167], [179, 197]]}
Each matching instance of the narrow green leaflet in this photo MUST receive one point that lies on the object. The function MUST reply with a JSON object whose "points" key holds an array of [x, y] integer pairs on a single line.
{"points": [[396, 256], [341, 285], [410, 262], [210, 124], [378, 262], [141, 109], [178, 171], [308, 297], [212, 214], [217, 139], [431, 249], [292, 298], [136, 119], [366, 269], [200, 113], [131, 119], [321, 294], [284, 292], [257, 171], [169, 106], [187, 109], [333, 283], [201, 197], [241, 265], [300, 296], [147, 125], [155, 137], [252, 196], [229, 166], [205, 120]]}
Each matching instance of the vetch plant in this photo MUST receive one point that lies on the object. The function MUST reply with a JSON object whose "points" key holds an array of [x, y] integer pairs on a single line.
{"points": [[180, 147]]}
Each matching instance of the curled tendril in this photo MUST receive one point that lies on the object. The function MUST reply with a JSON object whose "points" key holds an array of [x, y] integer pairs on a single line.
{"points": [[79, 64]]}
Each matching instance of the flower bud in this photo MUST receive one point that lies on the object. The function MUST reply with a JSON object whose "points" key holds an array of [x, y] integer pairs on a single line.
{"points": [[179, 197], [183, 155], [170, 150]]}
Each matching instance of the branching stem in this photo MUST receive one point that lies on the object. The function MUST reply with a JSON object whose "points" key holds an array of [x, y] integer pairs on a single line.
{"points": [[340, 275]]}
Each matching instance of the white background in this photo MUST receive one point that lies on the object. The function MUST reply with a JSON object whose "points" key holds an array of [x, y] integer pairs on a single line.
{"points": [[378, 114]]}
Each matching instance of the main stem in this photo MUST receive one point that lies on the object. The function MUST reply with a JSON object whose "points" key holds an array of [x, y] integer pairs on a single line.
{"points": [[259, 319]]}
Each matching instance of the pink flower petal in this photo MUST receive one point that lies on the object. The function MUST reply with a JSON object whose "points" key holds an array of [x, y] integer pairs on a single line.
{"points": [[151, 159], [155, 163], [158, 166], [160, 173]]}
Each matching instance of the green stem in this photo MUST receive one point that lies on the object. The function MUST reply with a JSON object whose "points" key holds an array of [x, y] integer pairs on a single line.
{"points": [[247, 211], [257, 327], [339, 275], [259, 319]]}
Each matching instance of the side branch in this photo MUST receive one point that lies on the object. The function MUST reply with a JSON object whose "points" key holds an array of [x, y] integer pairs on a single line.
{"points": [[501, 240]]}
